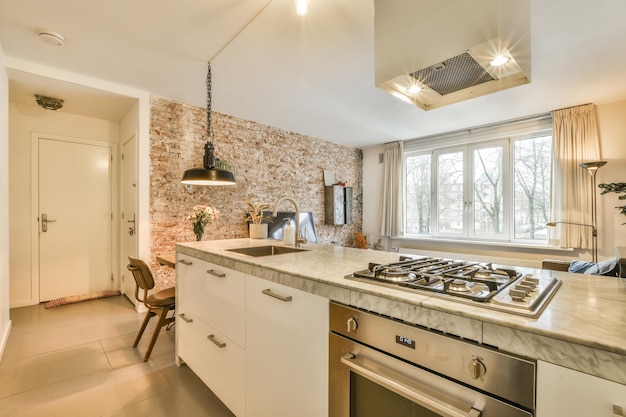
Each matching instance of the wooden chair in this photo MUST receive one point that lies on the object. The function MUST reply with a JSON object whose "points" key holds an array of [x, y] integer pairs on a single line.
{"points": [[158, 303]]}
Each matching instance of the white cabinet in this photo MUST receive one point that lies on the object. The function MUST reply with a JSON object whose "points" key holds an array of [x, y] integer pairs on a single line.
{"points": [[565, 392], [222, 302], [286, 351], [261, 347], [187, 277], [219, 363], [210, 327]]}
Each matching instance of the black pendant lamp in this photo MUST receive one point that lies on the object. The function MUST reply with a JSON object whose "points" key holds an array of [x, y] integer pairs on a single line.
{"points": [[209, 173]]}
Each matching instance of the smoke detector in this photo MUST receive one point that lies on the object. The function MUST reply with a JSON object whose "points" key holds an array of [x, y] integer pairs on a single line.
{"points": [[49, 103], [51, 37]]}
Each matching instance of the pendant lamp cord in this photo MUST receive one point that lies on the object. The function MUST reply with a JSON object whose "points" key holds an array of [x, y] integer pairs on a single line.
{"points": [[208, 102]]}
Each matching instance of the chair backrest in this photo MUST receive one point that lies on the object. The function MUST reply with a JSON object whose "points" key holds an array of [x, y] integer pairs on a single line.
{"points": [[141, 273]]}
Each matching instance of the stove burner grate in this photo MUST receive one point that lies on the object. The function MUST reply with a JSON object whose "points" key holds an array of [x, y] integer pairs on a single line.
{"points": [[496, 288], [472, 280]]}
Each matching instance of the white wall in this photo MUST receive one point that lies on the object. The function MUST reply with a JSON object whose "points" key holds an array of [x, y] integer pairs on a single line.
{"points": [[5, 322], [612, 122], [611, 232], [23, 121]]}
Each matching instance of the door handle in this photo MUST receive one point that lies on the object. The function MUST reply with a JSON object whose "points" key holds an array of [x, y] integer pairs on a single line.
{"points": [[217, 343], [277, 296], [45, 221], [131, 229], [396, 383]]}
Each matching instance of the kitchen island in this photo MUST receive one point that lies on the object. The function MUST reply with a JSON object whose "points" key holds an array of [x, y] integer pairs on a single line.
{"points": [[582, 328]]}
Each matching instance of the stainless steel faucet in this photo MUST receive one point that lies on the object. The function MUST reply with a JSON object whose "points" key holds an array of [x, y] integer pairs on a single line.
{"points": [[299, 239]]}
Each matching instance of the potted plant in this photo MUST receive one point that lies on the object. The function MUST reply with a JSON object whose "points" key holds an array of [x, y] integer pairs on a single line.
{"points": [[258, 229], [616, 187]]}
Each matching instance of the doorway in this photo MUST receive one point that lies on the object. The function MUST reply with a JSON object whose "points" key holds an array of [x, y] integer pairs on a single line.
{"points": [[72, 193]]}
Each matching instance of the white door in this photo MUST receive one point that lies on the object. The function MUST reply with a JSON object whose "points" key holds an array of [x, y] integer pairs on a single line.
{"points": [[128, 224], [74, 193]]}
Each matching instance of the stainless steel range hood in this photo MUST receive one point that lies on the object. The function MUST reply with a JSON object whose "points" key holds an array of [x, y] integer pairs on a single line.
{"points": [[432, 53]]}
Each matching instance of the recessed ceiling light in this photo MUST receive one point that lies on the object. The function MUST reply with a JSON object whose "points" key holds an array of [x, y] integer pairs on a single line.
{"points": [[414, 89], [499, 60], [302, 7], [51, 37]]}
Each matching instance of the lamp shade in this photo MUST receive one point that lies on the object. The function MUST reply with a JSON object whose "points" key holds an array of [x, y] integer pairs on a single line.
{"points": [[593, 166], [208, 176]]}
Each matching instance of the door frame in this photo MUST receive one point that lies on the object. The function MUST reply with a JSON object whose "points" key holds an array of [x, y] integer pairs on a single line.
{"points": [[123, 272], [34, 206]]}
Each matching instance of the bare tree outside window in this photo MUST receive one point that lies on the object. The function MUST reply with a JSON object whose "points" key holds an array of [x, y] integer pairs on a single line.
{"points": [[418, 194], [532, 187], [450, 199], [488, 191]]}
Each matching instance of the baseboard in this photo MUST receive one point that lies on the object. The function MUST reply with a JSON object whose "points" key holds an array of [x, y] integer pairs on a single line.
{"points": [[23, 303], [5, 339]]}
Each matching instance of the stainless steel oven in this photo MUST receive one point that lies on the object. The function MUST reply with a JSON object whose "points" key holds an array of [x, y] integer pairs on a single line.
{"points": [[380, 367]]}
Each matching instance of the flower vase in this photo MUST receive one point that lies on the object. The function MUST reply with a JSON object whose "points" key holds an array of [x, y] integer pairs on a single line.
{"points": [[258, 231], [198, 230]]}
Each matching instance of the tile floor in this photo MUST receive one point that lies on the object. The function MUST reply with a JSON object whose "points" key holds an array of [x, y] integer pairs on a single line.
{"points": [[77, 360]]}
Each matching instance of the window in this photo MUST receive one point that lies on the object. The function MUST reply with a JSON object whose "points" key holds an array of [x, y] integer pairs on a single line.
{"points": [[494, 186]]}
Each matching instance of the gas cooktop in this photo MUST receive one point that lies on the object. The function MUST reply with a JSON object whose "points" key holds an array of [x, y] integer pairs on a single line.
{"points": [[481, 284]]}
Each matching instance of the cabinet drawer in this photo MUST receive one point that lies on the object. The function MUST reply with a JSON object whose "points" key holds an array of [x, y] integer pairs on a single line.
{"points": [[221, 293], [188, 271], [221, 364], [217, 361], [186, 346], [565, 392]]}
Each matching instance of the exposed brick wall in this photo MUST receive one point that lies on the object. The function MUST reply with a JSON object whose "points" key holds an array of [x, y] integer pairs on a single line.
{"points": [[270, 162]]}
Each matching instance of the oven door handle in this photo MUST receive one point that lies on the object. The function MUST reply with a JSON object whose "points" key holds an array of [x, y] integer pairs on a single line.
{"points": [[402, 386]]}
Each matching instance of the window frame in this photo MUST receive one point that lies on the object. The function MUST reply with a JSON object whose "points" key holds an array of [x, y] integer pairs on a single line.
{"points": [[468, 141]]}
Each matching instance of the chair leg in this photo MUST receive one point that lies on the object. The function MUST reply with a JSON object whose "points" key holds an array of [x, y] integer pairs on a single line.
{"points": [[157, 330], [146, 319]]}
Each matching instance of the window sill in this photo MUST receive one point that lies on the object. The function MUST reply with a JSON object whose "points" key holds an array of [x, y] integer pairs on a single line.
{"points": [[504, 245]]}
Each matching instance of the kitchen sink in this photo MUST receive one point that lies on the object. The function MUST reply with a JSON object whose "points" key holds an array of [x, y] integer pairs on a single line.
{"points": [[267, 250]]}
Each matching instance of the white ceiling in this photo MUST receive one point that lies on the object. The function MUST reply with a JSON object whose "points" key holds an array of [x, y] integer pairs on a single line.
{"points": [[312, 75]]}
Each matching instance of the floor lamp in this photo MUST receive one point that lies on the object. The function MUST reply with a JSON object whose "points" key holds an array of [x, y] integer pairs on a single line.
{"points": [[594, 236], [592, 168]]}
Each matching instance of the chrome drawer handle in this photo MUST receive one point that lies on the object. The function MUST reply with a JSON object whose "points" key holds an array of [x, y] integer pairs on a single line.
{"points": [[216, 274], [185, 318], [217, 343], [277, 296], [394, 382], [185, 262]]}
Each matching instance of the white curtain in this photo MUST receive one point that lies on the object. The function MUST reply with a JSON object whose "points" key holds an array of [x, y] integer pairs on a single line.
{"points": [[575, 140], [391, 198]]}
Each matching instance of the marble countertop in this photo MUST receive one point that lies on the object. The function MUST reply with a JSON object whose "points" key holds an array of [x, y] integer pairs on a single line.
{"points": [[583, 327]]}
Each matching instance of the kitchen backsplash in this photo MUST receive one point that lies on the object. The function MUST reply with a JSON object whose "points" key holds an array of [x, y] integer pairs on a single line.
{"points": [[270, 163]]}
